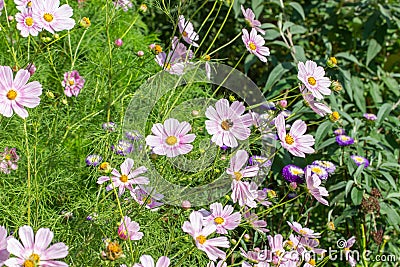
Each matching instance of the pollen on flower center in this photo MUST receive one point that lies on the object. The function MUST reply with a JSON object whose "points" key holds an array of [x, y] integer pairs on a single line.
{"points": [[302, 232], [7, 157], [167, 66], [32, 261], [219, 220], [312, 262], [238, 176], [226, 124], [311, 80], [12, 94], [123, 178], [252, 46], [28, 263], [316, 170], [29, 4], [185, 34], [71, 82], [29, 21], [290, 243], [171, 140], [48, 17], [289, 139], [202, 239]]}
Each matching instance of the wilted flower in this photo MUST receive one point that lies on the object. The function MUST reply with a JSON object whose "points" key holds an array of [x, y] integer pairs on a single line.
{"points": [[319, 108], [112, 252], [249, 16], [370, 116], [51, 16], [33, 251], [292, 173], [147, 261], [72, 83], [313, 78], [129, 229], [15, 94], [255, 44], [187, 30], [344, 140], [31, 68], [93, 160], [336, 86], [358, 160]]}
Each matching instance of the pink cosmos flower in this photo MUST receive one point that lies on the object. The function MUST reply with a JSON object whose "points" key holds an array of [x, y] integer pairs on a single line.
{"points": [[255, 44], [223, 218], [171, 139], [23, 4], [349, 243], [147, 196], [131, 231], [9, 160], [319, 108], [187, 30], [199, 234], [72, 83], [242, 192], [314, 188], [226, 123], [147, 261], [33, 251], [15, 94], [176, 60], [26, 24], [250, 18], [255, 223], [4, 254], [296, 142], [303, 231], [51, 16], [312, 76], [126, 178]]}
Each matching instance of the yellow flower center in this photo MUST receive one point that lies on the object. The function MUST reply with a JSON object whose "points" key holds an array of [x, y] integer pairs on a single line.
{"points": [[302, 232], [316, 170], [312, 81], [171, 140], [167, 66], [48, 17], [32, 261], [12, 94], [331, 226], [219, 220], [29, 4], [29, 21], [335, 116], [104, 165], [185, 34], [71, 82], [289, 139], [86, 21], [345, 138], [290, 243], [238, 176], [158, 49], [296, 172], [28, 263], [312, 262], [346, 249], [123, 178], [202, 239], [7, 157], [207, 57], [252, 46], [334, 60], [226, 125]]}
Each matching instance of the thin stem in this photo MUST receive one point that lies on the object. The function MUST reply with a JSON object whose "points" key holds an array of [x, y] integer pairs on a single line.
{"points": [[130, 26], [28, 159], [225, 45], [76, 50]]}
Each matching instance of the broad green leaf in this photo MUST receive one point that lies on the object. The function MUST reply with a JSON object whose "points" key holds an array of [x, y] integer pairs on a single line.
{"points": [[393, 195], [349, 185], [326, 143], [393, 217], [271, 34], [358, 88], [286, 25], [392, 84], [322, 131], [268, 26], [349, 57], [276, 74], [250, 60], [357, 173], [299, 53], [375, 92], [280, 43], [257, 6], [373, 49], [298, 8], [383, 112], [356, 196], [297, 29], [390, 179]]}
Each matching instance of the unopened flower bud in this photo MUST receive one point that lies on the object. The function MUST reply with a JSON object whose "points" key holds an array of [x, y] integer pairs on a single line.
{"points": [[118, 42], [332, 62], [140, 53], [50, 94], [143, 8], [186, 204], [334, 116], [246, 237], [336, 86], [85, 22], [283, 103]]}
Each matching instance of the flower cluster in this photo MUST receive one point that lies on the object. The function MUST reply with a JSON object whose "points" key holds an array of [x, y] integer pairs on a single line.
{"points": [[9, 159]]}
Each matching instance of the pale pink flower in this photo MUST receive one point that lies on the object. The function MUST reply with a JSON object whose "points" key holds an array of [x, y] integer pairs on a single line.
{"points": [[147, 196], [187, 30], [15, 94], [176, 60], [33, 251], [223, 217], [250, 18], [4, 254], [126, 178], [296, 142], [255, 44], [72, 83], [318, 107], [303, 231], [23, 4], [147, 261], [1, 6], [26, 24], [171, 139], [51, 16], [312, 76], [349, 257], [314, 187], [227, 123], [256, 224], [199, 233], [131, 231]]}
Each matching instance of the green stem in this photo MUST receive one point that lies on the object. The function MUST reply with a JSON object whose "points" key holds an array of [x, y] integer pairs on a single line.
{"points": [[28, 171], [76, 50], [225, 45]]}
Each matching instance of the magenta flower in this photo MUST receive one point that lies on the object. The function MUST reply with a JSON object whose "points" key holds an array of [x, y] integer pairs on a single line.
{"points": [[126, 178], [255, 44], [129, 229], [4, 254], [303, 231], [315, 189], [200, 234], [171, 139], [226, 123], [26, 24], [223, 218], [312, 76], [73, 83], [187, 30], [250, 18], [296, 142], [118, 42], [147, 196], [17, 94], [51, 16], [33, 251], [318, 107], [147, 261]]}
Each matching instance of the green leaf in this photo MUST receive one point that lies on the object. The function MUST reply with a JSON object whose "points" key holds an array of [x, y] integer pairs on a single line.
{"points": [[250, 60], [393, 195], [390, 179], [297, 29], [392, 84], [349, 57], [358, 172], [299, 53], [349, 185], [268, 26], [373, 49], [276, 74], [375, 92], [326, 143], [271, 34], [322, 131], [296, 6], [359, 98], [383, 112], [257, 6], [393, 217], [356, 196]]}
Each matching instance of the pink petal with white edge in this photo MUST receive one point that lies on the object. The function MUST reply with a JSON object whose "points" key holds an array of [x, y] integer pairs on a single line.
{"points": [[43, 239], [152, 140], [184, 149], [280, 126], [15, 247], [222, 107], [27, 237], [56, 251], [54, 264], [298, 128], [103, 179], [14, 262], [188, 138], [163, 262], [19, 110], [126, 166], [239, 160], [21, 78], [183, 128], [147, 261], [170, 126]]}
